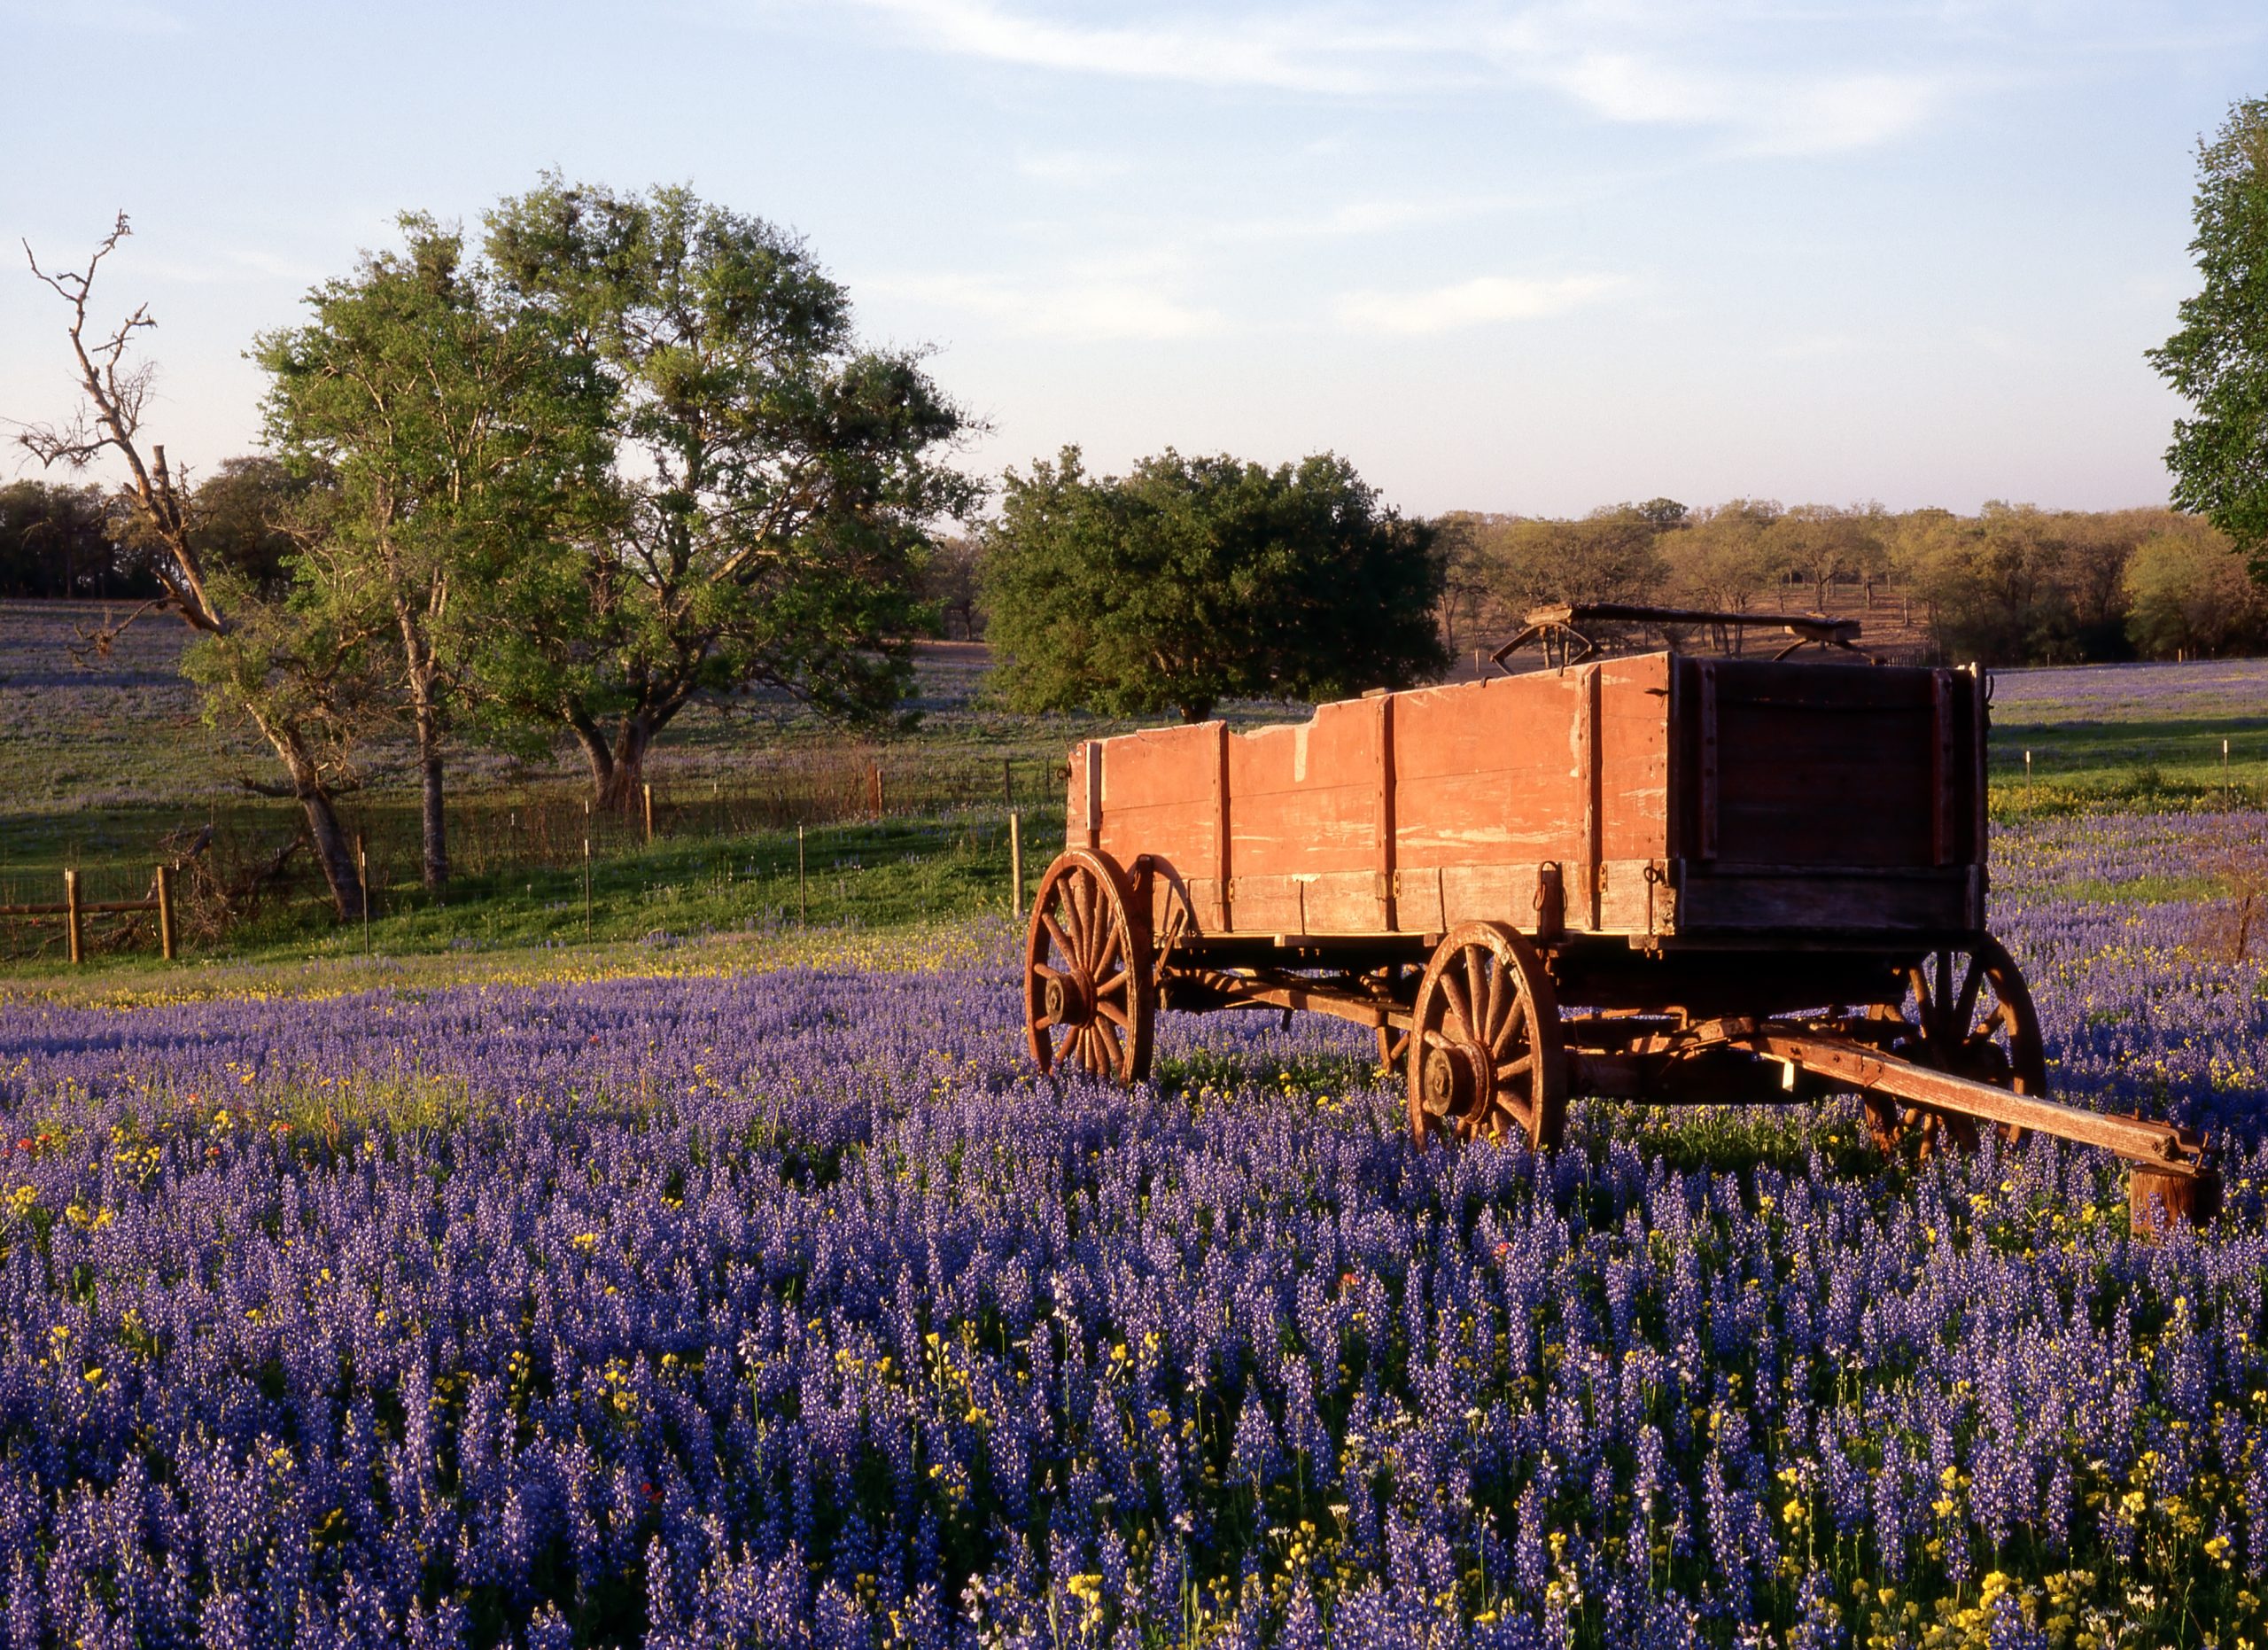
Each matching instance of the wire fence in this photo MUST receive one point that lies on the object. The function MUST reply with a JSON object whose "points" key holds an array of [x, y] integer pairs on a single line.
{"points": [[244, 859]]}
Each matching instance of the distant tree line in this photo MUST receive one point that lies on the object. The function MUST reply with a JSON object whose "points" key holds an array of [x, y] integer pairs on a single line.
{"points": [[2011, 585]]}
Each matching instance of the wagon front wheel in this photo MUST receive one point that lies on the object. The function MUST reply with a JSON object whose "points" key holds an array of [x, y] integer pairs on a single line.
{"points": [[1485, 1057], [1089, 997]]}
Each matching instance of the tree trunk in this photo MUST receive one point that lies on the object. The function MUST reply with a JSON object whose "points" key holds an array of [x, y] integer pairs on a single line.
{"points": [[434, 820], [617, 792], [424, 699], [333, 852], [595, 753]]}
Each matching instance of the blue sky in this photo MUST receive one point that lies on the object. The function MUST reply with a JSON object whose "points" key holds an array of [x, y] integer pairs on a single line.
{"points": [[1529, 258]]}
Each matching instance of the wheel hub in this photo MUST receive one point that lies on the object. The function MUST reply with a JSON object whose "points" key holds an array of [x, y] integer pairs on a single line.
{"points": [[1070, 1000], [1453, 1077]]}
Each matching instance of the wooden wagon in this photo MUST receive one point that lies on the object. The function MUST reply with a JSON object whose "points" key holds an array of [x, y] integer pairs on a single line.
{"points": [[1655, 877]]}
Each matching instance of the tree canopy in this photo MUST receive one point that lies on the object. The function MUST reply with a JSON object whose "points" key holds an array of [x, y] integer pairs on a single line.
{"points": [[1192, 581], [2218, 359], [773, 481]]}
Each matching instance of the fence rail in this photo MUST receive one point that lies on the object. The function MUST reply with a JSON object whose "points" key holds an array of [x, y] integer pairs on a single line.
{"points": [[75, 909]]}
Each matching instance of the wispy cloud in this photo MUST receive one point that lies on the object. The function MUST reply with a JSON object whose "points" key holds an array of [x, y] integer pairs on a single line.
{"points": [[1077, 307], [1488, 299], [1722, 67], [1288, 52]]}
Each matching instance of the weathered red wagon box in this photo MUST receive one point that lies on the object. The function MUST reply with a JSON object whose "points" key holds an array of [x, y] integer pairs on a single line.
{"points": [[1657, 878], [1652, 797]]}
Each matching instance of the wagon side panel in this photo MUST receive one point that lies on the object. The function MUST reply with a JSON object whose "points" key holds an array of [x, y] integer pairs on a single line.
{"points": [[1490, 782], [1305, 824], [1162, 797], [1633, 795]]}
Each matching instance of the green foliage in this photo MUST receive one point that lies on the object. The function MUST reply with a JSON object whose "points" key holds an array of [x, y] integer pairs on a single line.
{"points": [[239, 520], [1192, 581], [459, 437], [2218, 359], [2190, 597], [776, 479]]}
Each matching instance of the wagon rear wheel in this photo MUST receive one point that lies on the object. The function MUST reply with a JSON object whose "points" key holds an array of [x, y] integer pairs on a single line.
{"points": [[1088, 996], [1968, 1011], [1485, 1057]]}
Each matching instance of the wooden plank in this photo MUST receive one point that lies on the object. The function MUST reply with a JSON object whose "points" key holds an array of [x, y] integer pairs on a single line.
{"points": [[1755, 682], [1092, 816], [1706, 781], [1940, 800], [1223, 917], [1591, 762], [1977, 848], [2158, 1144], [1386, 812], [1814, 897]]}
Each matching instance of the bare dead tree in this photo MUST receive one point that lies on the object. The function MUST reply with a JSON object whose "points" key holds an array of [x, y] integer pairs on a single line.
{"points": [[115, 387]]}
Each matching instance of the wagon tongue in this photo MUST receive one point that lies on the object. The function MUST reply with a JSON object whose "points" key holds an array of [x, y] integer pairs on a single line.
{"points": [[2171, 1181]]}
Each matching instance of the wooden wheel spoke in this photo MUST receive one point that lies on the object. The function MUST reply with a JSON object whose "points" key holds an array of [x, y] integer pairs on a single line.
{"points": [[1113, 1013], [1081, 899], [1108, 1044], [1114, 986], [1514, 1068], [1479, 991], [1110, 950], [1062, 940], [1964, 1010], [1453, 997], [1046, 972], [1515, 1016]]}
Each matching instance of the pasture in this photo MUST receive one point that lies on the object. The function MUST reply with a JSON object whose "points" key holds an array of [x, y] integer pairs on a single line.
{"points": [[727, 1280]]}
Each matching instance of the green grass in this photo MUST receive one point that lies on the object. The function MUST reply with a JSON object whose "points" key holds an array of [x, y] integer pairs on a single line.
{"points": [[882, 877], [2166, 765]]}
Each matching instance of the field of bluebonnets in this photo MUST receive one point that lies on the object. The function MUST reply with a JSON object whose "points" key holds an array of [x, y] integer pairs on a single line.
{"points": [[786, 1307]]}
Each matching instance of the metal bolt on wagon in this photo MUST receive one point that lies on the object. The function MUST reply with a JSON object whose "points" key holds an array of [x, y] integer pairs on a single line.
{"points": [[1655, 877]]}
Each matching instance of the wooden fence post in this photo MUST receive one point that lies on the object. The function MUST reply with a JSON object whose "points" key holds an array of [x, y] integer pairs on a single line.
{"points": [[587, 887], [647, 790], [874, 789], [803, 885], [70, 913], [165, 911], [1015, 864], [362, 876]]}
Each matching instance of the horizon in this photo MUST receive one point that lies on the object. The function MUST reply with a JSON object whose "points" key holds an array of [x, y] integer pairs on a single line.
{"points": [[1530, 261]]}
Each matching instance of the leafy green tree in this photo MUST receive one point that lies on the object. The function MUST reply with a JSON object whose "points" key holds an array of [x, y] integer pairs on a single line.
{"points": [[457, 436], [2190, 596], [1192, 581], [2217, 360], [776, 480]]}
